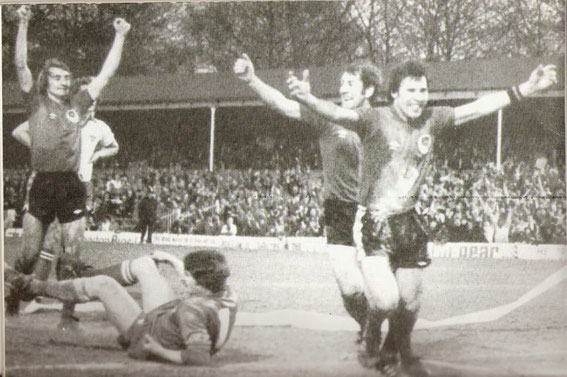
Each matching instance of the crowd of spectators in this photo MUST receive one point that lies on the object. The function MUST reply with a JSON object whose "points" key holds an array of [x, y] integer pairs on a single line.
{"points": [[520, 202], [270, 185]]}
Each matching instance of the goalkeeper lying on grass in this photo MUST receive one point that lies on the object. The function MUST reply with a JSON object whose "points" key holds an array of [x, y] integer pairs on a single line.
{"points": [[185, 330]]}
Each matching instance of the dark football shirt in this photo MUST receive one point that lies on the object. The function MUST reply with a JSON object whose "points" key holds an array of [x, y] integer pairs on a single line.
{"points": [[340, 154], [199, 323], [396, 155], [55, 132]]}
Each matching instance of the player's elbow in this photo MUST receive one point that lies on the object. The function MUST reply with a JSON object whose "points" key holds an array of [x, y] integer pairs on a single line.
{"points": [[20, 136], [96, 86], [289, 109], [25, 86], [115, 149]]}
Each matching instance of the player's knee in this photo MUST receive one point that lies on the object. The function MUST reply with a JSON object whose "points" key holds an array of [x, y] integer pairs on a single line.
{"points": [[411, 299], [380, 283], [101, 284], [382, 294], [143, 266], [410, 287], [346, 268], [350, 280], [73, 232], [384, 300], [350, 284]]}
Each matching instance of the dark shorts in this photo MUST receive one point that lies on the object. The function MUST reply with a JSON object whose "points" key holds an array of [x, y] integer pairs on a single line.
{"points": [[57, 194], [400, 237], [339, 220]]}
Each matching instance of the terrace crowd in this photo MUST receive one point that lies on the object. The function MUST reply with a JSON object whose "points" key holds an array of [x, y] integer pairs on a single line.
{"points": [[463, 199]]}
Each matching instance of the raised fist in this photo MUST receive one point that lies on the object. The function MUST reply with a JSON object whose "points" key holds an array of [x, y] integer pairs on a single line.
{"points": [[121, 26], [243, 68], [543, 77], [24, 13]]}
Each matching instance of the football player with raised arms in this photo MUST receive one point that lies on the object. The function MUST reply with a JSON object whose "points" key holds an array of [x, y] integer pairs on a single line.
{"points": [[398, 149], [340, 152], [54, 129]]}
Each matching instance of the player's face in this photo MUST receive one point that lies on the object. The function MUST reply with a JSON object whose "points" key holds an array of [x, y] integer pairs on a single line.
{"points": [[58, 82], [352, 91], [412, 96]]}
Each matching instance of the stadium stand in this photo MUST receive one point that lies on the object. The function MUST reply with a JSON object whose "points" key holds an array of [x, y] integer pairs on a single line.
{"points": [[267, 168]]}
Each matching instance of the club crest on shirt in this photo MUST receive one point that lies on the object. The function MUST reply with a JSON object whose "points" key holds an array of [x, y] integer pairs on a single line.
{"points": [[424, 144], [394, 145], [72, 116]]}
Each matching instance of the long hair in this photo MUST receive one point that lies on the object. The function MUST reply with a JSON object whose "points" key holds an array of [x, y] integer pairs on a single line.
{"points": [[41, 83]]}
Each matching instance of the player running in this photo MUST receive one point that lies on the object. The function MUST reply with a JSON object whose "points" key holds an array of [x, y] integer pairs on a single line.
{"points": [[340, 152], [398, 149], [54, 124], [188, 330]]}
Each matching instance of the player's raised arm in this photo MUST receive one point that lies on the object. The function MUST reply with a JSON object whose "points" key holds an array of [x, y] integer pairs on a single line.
{"points": [[25, 78], [22, 134], [541, 78], [112, 60], [301, 90], [244, 70]]}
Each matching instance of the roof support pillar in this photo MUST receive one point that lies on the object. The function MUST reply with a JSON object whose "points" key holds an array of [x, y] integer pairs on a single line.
{"points": [[212, 139]]}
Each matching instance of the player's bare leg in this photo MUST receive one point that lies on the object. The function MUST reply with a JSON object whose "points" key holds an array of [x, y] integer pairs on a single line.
{"points": [[33, 234], [381, 289], [70, 266], [52, 244], [155, 289], [143, 270], [346, 267], [121, 309], [403, 321]]}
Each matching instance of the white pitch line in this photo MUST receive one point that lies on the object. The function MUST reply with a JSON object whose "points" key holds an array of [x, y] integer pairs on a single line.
{"points": [[329, 322], [498, 312], [87, 366]]}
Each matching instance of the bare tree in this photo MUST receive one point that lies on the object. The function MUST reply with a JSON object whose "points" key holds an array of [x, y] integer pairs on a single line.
{"points": [[379, 22]]}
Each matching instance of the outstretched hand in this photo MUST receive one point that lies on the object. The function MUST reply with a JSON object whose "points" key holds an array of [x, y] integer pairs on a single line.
{"points": [[121, 26], [542, 77], [299, 89], [24, 13], [243, 68]]}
